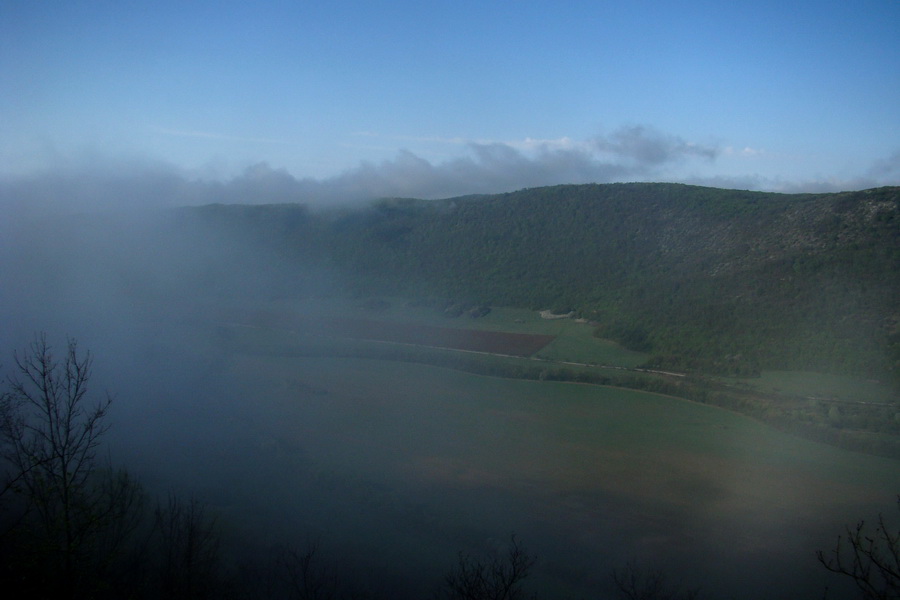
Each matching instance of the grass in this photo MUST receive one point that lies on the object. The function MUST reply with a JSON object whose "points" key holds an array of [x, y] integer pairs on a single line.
{"points": [[824, 385], [395, 420], [576, 343], [440, 458], [864, 427], [575, 340]]}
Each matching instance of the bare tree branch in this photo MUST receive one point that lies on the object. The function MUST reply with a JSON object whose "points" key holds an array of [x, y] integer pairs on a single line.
{"points": [[75, 512], [635, 583], [870, 558], [490, 578], [189, 549]]}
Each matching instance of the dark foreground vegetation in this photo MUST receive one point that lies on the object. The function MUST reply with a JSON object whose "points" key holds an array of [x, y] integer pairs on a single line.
{"points": [[76, 526]]}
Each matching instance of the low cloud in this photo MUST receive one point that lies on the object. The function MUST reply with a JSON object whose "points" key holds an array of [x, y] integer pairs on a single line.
{"points": [[632, 153], [886, 169], [746, 151], [881, 172], [627, 154], [486, 167], [646, 147], [98, 185]]}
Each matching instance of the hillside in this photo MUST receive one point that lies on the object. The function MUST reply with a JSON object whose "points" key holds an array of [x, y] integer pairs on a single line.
{"points": [[710, 279]]}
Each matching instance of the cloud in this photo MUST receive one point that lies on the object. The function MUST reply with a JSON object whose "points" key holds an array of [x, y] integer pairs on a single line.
{"points": [[562, 143], [487, 168], [647, 147], [746, 151], [90, 185], [886, 169], [882, 172], [634, 153], [627, 154]]}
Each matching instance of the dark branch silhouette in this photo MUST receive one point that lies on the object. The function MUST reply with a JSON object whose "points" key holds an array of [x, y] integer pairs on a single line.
{"points": [[635, 583], [74, 513], [870, 558], [490, 578]]}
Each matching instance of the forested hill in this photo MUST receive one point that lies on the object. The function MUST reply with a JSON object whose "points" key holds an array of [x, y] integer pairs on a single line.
{"points": [[706, 278]]}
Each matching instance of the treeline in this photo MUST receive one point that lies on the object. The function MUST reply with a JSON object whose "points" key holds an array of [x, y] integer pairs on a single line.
{"points": [[727, 280]]}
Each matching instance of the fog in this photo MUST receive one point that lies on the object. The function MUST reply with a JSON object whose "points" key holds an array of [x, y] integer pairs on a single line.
{"points": [[96, 181], [289, 451]]}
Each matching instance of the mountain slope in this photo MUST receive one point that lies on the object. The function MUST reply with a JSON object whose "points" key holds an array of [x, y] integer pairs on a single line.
{"points": [[721, 280]]}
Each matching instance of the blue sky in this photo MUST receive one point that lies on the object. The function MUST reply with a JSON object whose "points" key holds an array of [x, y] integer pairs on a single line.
{"points": [[440, 98]]}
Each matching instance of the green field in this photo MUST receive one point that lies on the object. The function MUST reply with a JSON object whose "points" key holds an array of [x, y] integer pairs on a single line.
{"points": [[575, 340], [854, 414], [582, 423], [436, 459], [823, 385], [591, 476]]}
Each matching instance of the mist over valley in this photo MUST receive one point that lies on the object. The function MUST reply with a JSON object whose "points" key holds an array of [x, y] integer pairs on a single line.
{"points": [[380, 377], [459, 301]]}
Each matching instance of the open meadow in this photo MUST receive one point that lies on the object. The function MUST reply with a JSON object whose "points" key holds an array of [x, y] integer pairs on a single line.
{"points": [[400, 465]]}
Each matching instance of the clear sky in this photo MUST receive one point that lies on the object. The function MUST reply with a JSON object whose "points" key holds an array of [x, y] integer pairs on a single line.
{"points": [[440, 98]]}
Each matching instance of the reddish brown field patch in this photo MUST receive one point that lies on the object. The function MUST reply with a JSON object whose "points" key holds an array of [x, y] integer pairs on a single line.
{"points": [[495, 342], [473, 340]]}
